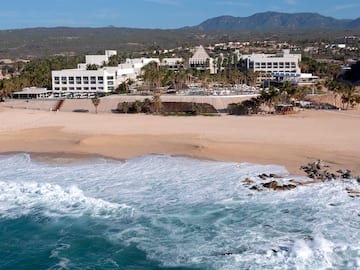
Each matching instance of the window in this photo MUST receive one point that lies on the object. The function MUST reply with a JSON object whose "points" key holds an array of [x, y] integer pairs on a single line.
{"points": [[86, 80], [78, 80], [64, 88], [63, 80], [93, 80], [71, 88], [100, 78], [93, 88], [78, 88], [110, 77], [110, 87], [110, 83], [57, 80], [57, 88], [86, 88]]}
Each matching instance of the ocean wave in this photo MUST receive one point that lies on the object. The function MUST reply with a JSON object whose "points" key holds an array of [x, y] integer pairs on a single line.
{"points": [[192, 213], [23, 198]]}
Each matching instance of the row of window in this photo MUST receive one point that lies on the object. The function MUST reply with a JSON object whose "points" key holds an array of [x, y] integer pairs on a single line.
{"points": [[274, 65], [82, 80], [110, 88], [282, 70]]}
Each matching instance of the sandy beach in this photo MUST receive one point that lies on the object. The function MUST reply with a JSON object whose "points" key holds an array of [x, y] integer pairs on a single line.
{"points": [[291, 140]]}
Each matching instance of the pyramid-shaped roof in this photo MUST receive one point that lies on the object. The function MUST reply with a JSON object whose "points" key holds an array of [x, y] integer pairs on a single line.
{"points": [[200, 53]]}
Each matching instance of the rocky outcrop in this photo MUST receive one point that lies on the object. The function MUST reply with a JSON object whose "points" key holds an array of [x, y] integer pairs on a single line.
{"points": [[274, 185], [317, 172]]}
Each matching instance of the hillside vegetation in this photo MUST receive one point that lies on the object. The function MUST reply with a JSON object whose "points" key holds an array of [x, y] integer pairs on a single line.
{"points": [[43, 42]]}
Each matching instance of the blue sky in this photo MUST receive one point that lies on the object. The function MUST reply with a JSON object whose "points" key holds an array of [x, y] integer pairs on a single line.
{"points": [[154, 13]]}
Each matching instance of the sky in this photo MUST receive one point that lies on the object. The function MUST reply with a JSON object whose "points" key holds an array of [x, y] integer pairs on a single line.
{"points": [[164, 14]]}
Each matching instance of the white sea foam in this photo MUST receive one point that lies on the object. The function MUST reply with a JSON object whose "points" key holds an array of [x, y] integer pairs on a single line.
{"points": [[23, 198], [191, 212]]}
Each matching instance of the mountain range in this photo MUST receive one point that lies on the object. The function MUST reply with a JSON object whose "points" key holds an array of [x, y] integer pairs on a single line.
{"points": [[42, 42], [277, 21]]}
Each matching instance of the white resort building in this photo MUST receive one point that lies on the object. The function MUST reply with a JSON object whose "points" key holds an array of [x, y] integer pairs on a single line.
{"points": [[270, 63], [83, 82], [278, 68], [201, 60]]}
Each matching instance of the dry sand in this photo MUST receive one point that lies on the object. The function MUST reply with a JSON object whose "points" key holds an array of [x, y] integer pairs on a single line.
{"points": [[292, 140]]}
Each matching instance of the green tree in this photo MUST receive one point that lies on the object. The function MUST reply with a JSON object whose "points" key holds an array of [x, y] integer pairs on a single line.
{"points": [[153, 75], [92, 67], [146, 107], [125, 107], [137, 106], [350, 97]]}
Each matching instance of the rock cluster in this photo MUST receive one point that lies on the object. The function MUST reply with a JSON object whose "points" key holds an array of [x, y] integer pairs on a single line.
{"points": [[317, 171], [274, 185]]}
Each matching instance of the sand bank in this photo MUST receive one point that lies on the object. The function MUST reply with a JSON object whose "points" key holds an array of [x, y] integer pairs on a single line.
{"points": [[290, 140]]}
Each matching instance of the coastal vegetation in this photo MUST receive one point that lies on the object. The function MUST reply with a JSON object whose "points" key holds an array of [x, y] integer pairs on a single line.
{"points": [[157, 106], [37, 73]]}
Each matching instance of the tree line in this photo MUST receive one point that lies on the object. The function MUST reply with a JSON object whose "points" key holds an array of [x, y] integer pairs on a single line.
{"points": [[38, 73]]}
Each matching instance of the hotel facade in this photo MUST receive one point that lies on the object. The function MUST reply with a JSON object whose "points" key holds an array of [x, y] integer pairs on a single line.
{"points": [[83, 82], [278, 68], [283, 62]]}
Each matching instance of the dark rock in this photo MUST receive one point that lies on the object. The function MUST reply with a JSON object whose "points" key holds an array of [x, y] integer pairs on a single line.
{"points": [[311, 175], [255, 188], [263, 176], [275, 186], [248, 181], [272, 175], [345, 174], [352, 193]]}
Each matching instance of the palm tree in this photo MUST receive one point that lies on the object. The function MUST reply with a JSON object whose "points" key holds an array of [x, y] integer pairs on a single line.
{"points": [[157, 104], [270, 97], [96, 102], [350, 97], [137, 106], [125, 107], [146, 106]]}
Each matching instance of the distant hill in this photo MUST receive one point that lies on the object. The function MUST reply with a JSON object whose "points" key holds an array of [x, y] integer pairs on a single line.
{"points": [[355, 24], [277, 21], [39, 42], [43, 42]]}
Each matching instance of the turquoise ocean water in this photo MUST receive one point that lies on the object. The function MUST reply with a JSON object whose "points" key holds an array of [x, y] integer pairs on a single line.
{"points": [[162, 212]]}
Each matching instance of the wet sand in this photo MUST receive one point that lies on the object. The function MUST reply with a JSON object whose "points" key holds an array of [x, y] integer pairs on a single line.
{"points": [[290, 140]]}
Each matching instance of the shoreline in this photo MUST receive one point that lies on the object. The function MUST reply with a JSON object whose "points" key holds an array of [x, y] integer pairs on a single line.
{"points": [[289, 141]]}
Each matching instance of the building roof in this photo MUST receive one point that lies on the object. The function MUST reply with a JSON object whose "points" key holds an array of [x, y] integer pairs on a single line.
{"points": [[200, 53]]}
